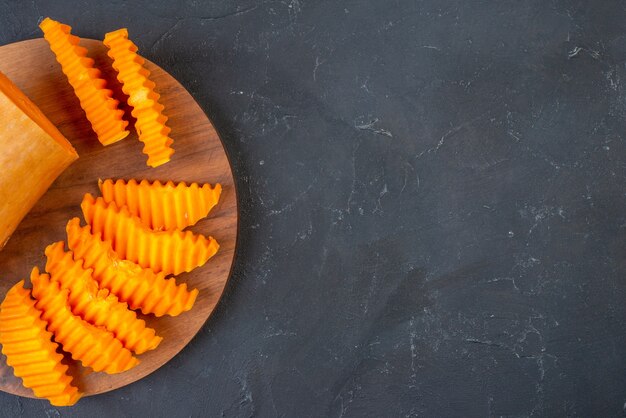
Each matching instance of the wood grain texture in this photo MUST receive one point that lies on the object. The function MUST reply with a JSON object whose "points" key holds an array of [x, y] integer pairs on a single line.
{"points": [[199, 157]]}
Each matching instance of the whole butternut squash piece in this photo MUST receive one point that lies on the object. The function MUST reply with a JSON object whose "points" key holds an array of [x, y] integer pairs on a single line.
{"points": [[33, 153]]}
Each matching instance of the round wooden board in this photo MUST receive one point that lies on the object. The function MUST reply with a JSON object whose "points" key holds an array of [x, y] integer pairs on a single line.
{"points": [[199, 157]]}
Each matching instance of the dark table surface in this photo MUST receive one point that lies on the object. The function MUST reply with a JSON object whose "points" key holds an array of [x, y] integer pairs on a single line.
{"points": [[433, 211]]}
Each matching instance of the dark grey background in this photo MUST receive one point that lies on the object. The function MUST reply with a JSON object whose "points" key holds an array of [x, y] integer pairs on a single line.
{"points": [[432, 205]]}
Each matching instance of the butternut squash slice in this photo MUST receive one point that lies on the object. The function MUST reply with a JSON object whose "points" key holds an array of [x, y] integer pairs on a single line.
{"points": [[91, 345], [97, 306], [29, 349], [170, 252], [162, 206], [96, 100], [133, 75], [141, 288], [34, 154]]}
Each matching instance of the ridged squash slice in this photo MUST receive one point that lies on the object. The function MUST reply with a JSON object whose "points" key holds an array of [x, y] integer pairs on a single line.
{"points": [[147, 110], [162, 206], [170, 252], [140, 287], [97, 306], [93, 346], [30, 351], [95, 99]]}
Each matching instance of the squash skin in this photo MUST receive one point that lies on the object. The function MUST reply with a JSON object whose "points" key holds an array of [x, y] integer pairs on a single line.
{"points": [[34, 154]]}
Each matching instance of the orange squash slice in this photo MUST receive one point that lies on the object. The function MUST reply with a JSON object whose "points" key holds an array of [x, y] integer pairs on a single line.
{"points": [[140, 287], [162, 206], [98, 306], [91, 345], [170, 252], [97, 102], [29, 349], [133, 75]]}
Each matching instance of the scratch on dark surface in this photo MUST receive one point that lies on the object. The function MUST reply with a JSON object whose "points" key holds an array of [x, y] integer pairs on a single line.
{"points": [[52, 413], [318, 62], [294, 9], [291, 204], [613, 78], [487, 343], [165, 35], [381, 194], [179, 20], [595, 54], [369, 126], [505, 279], [36, 8], [225, 15], [412, 338], [407, 167], [354, 177], [451, 132], [574, 52], [343, 403], [244, 400]]}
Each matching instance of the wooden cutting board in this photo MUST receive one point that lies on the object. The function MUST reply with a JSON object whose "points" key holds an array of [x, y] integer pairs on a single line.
{"points": [[199, 157]]}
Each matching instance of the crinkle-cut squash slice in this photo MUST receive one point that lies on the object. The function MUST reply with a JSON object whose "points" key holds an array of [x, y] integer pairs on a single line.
{"points": [[170, 252], [30, 351], [147, 110], [96, 100], [93, 346], [141, 288], [34, 153], [97, 306], [162, 206]]}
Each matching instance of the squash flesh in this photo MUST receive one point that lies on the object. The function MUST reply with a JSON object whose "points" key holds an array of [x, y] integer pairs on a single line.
{"points": [[162, 206], [34, 154]]}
